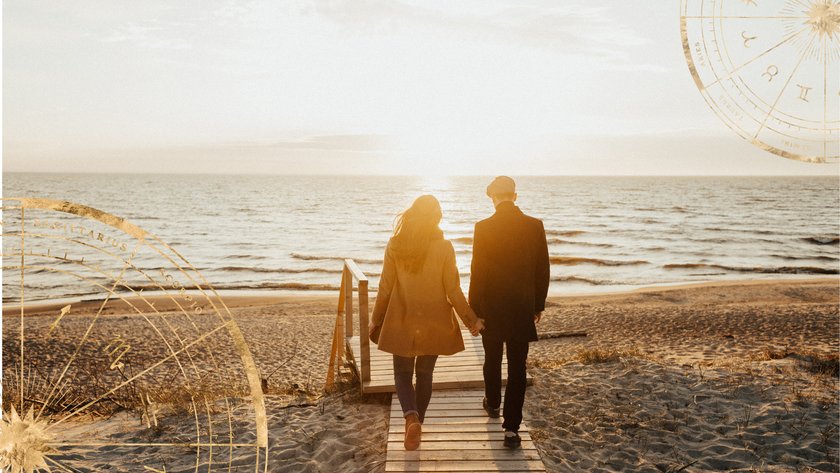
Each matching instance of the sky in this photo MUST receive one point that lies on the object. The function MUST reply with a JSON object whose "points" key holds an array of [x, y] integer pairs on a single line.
{"points": [[473, 87]]}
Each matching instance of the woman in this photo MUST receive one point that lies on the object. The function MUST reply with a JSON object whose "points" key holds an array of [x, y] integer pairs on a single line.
{"points": [[418, 289]]}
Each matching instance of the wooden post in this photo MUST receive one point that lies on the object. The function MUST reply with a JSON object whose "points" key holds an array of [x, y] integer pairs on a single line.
{"points": [[337, 348], [364, 340], [344, 323], [342, 306], [348, 301]]}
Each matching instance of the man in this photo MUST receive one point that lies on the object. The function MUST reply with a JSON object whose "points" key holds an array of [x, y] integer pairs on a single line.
{"points": [[508, 287]]}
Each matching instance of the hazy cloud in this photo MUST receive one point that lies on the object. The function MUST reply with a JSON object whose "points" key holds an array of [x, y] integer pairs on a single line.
{"points": [[339, 142], [148, 36], [569, 28]]}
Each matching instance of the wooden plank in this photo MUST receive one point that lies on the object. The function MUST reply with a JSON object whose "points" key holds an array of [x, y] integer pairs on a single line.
{"points": [[439, 399], [481, 445], [456, 428], [471, 360], [348, 302], [472, 466], [377, 354], [483, 436], [439, 380], [339, 328], [474, 403], [462, 455], [467, 410], [454, 374], [440, 369], [440, 402], [388, 362], [473, 363], [446, 382], [336, 349], [453, 383], [452, 420], [383, 386], [363, 330], [458, 394], [460, 375], [355, 271], [388, 387], [425, 469]]}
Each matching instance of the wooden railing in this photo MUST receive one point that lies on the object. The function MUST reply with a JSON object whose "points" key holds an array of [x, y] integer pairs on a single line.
{"points": [[344, 323]]}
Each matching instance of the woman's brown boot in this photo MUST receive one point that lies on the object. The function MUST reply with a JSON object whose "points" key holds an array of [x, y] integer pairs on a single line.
{"points": [[413, 431]]}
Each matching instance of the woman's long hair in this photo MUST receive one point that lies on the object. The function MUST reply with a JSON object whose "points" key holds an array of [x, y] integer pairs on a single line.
{"points": [[414, 230]]}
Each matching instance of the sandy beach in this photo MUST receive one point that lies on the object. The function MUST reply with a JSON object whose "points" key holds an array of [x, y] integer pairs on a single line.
{"points": [[726, 376]]}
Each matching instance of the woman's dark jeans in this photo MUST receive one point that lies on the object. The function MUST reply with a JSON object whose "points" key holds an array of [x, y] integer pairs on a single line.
{"points": [[414, 401]]}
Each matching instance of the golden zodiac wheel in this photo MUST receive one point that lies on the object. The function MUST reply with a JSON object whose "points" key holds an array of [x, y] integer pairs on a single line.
{"points": [[770, 69], [143, 370]]}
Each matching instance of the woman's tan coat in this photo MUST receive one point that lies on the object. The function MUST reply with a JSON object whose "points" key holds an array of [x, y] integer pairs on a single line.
{"points": [[416, 310]]}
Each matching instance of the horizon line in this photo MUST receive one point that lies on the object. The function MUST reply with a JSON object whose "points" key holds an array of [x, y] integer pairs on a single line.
{"points": [[406, 175]]}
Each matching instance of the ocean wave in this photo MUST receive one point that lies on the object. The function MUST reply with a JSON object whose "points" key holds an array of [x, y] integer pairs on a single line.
{"points": [[565, 233], [741, 230], [575, 260], [559, 241], [38, 295], [332, 258], [822, 240], [757, 269], [798, 258], [299, 286], [278, 270], [244, 257], [705, 240], [593, 282], [465, 240]]}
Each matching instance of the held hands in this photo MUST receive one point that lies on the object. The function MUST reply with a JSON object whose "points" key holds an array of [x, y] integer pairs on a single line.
{"points": [[477, 327], [537, 317]]}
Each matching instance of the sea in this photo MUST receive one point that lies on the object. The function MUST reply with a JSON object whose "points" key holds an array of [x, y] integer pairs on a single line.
{"points": [[290, 234]]}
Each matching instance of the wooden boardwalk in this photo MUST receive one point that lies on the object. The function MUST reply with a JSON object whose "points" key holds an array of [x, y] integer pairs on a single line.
{"points": [[458, 436], [461, 370]]}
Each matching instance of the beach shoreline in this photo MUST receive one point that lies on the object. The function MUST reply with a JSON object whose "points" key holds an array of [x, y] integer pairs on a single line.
{"points": [[240, 299]]}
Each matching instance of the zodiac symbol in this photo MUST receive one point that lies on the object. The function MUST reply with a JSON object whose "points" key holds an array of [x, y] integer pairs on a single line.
{"points": [[771, 72], [803, 92], [747, 39]]}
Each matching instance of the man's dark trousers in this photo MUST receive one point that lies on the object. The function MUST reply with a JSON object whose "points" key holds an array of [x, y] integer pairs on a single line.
{"points": [[517, 353]]}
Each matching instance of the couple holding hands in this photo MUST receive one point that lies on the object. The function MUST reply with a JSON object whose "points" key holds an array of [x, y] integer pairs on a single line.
{"points": [[420, 286]]}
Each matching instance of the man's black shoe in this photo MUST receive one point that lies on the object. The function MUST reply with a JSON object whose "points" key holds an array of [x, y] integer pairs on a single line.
{"points": [[492, 413], [512, 439]]}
